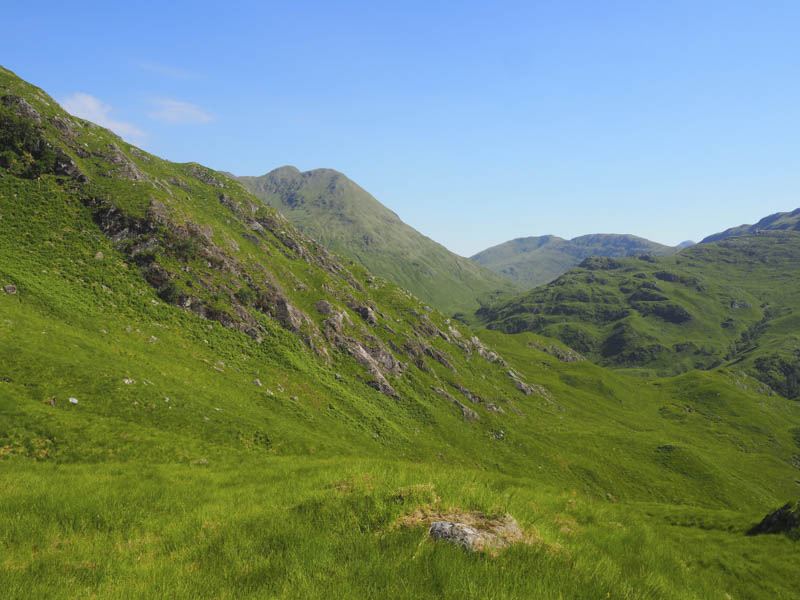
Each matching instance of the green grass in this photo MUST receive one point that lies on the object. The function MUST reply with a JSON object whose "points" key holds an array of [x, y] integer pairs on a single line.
{"points": [[634, 487]]}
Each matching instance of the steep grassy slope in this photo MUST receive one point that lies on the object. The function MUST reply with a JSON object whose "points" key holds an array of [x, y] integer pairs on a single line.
{"points": [[346, 219], [787, 221], [197, 401], [732, 302], [533, 261]]}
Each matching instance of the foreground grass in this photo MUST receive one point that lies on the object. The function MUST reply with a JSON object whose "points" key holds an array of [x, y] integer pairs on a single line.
{"points": [[296, 527]]}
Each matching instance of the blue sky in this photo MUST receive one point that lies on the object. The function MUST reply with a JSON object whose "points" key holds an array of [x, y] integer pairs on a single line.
{"points": [[475, 122]]}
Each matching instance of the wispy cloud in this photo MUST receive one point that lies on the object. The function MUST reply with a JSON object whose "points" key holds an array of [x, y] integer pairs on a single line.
{"points": [[178, 112], [90, 108], [166, 71]]}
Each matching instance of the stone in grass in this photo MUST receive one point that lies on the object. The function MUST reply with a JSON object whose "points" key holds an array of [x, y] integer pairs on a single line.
{"points": [[10, 289], [73, 400], [457, 533], [473, 531], [784, 520], [257, 382], [99, 256]]}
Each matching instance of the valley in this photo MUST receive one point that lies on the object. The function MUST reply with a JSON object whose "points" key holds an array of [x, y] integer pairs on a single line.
{"points": [[202, 397]]}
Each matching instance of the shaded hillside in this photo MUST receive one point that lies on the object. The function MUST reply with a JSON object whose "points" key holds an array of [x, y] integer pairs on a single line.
{"points": [[199, 401], [786, 221], [533, 261], [734, 302], [346, 219]]}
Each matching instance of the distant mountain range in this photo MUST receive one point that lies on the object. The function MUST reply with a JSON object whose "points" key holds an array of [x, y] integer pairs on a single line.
{"points": [[779, 221], [334, 210], [734, 301], [533, 261]]}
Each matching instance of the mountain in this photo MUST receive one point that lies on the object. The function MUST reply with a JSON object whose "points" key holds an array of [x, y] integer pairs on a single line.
{"points": [[533, 261], [347, 220], [732, 302], [786, 221], [199, 401]]}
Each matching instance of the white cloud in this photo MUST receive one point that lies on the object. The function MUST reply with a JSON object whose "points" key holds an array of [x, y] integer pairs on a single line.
{"points": [[166, 71], [90, 108], [178, 112]]}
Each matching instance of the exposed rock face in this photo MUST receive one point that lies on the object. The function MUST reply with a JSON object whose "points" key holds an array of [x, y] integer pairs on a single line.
{"points": [[206, 176], [566, 355], [528, 388], [127, 168], [439, 357], [466, 412], [66, 166], [366, 313], [324, 307], [65, 126], [784, 520], [467, 394], [21, 107]]}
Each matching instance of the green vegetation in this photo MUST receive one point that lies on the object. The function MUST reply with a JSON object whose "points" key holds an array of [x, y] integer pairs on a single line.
{"points": [[533, 261], [787, 221], [197, 401], [346, 219], [734, 302]]}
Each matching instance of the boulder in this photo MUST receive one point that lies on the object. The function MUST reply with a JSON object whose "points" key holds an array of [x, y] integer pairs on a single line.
{"points": [[784, 520]]}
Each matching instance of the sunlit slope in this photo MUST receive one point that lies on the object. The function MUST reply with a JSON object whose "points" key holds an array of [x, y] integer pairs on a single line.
{"points": [[346, 219]]}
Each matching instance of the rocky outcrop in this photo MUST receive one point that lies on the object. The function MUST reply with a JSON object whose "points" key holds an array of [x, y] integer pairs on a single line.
{"points": [[127, 168], [205, 175], [528, 388], [784, 520], [366, 313], [466, 412], [567, 355], [22, 107]]}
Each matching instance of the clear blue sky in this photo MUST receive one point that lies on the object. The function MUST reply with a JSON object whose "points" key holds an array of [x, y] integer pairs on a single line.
{"points": [[476, 122]]}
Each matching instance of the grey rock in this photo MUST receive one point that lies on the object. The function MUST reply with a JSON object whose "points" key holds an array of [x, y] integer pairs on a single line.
{"points": [[21, 107], [324, 307], [456, 533], [10, 289]]}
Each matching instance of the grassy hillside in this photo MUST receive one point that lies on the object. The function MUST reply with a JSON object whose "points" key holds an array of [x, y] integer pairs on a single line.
{"points": [[197, 401], [786, 221], [733, 302], [533, 261], [346, 219]]}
